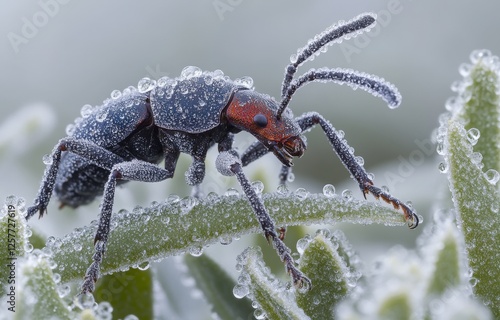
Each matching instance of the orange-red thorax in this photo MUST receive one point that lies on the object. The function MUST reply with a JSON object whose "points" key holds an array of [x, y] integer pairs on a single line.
{"points": [[247, 104]]}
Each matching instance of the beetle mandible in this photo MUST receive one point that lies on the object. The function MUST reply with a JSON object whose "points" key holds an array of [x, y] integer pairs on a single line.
{"points": [[130, 134]]}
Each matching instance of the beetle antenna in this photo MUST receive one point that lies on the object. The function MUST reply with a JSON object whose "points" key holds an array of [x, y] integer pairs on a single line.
{"points": [[377, 86], [337, 31]]}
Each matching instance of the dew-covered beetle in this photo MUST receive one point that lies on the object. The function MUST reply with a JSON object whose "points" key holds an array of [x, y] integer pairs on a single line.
{"points": [[127, 136]]}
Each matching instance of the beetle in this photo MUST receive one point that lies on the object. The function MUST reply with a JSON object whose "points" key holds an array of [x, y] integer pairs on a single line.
{"points": [[127, 136]]}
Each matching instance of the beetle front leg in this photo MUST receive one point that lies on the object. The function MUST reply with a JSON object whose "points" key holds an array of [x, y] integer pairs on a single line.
{"points": [[135, 170], [308, 120], [228, 163]]}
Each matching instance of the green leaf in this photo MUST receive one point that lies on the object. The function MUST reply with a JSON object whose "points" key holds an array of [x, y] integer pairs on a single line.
{"points": [[273, 298], [445, 249], [38, 297], [477, 203], [217, 287], [481, 111], [167, 229], [475, 194], [129, 292], [326, 260], [395, 307]]}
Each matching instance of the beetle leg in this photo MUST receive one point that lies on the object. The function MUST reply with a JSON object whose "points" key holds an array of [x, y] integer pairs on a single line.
{"points": [[135, 170], [308, 120], [90, 151], [228, 163]]}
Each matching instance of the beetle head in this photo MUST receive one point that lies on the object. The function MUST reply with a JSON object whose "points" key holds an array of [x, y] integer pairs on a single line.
{"points": [[257, 114]]}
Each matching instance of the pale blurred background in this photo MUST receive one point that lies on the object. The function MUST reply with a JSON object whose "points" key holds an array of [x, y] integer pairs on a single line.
{"points": [[57, 56]]}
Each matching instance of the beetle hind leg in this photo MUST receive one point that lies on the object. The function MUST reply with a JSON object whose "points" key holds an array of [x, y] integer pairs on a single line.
{"points": [[136, 170]]}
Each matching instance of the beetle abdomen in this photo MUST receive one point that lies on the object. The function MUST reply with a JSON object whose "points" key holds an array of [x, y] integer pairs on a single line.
{"points": [[78, 181]]}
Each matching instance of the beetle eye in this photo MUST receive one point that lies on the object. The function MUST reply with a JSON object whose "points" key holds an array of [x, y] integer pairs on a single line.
{"points": [[260, 120]]}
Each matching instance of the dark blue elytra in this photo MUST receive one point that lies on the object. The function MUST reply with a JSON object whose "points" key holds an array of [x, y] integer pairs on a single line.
{"points": [[192, 103]]}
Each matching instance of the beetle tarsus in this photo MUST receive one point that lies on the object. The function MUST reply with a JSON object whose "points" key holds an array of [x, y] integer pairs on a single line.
{"points": [[409, 214]]}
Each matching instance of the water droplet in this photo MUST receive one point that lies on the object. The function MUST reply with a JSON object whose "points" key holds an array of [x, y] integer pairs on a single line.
{"points": [[225, 240], [143, 266], [282, 189], [162, 82], [347, 194], [304, 287], [104, 310], [240, 291], [195, 251], [246, 82], [86, 110], [464, 69], [186, 204], [451, 103], [190, 72], [301, 194], [70, 128], [231, 192], [492, 176], [145, 85], [116, 94], [173, 199], [479, 54], [47, 159], [443, 168], [77, 246], [293, 58], [302, 244], [259, 314], [102, 114], [290, 177], [28, 247], [86, 301], [359, 160], [440, 149], [258, 186], [473, 281], [329, 190], [63, 290], [473, 135]]}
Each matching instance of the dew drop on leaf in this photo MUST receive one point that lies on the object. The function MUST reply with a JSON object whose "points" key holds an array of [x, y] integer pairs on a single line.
{"points": [[473, 135], [301, 194], [492, 176], [240, 291], [443, 168], [347, 194], [329, 190]]}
